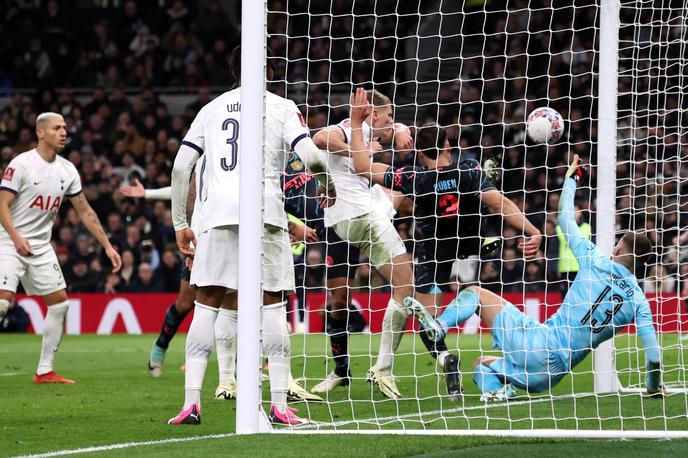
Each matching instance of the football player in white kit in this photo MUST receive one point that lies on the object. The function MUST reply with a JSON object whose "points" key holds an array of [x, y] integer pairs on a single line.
{"points": [[33, 187], [226, 323], [214, 135], [361, 216]]}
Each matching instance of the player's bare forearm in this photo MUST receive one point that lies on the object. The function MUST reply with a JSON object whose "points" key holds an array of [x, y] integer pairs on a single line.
{"points": [[191, 197], [90, 219], [360, 152], [498, 203], [6, 199]]}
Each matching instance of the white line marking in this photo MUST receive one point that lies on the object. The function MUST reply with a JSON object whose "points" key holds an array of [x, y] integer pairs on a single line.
{"points": [[104, 448], [10, 374], [307, 429]]}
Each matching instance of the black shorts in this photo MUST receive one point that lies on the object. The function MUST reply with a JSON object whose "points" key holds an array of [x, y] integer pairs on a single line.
{"points": [[435, 259], [341, 258], [186, 272]]}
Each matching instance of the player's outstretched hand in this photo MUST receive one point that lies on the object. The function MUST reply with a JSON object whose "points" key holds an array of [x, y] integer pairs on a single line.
{"points": [[576, 169], [135, 190], [23, 246], [530, 246], [185, 239], [300, 233], [116, 261], [360, 108]]}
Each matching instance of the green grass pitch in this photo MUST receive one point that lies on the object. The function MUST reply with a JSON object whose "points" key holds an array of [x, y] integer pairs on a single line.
{"points": [[114, 402]]}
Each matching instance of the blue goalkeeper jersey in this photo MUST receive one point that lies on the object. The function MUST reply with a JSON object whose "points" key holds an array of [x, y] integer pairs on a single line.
{"points": [[604, 298]]}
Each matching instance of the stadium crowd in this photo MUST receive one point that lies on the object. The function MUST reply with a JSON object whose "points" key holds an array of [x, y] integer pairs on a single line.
{"points": [[128, 55]]}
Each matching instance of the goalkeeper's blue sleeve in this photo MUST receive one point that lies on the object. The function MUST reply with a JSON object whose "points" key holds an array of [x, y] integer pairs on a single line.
{"points": [[653, 356], [582, 248]]}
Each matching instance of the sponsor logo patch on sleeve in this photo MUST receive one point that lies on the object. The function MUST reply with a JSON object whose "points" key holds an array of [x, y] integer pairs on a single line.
{"points": [[9, 174]]}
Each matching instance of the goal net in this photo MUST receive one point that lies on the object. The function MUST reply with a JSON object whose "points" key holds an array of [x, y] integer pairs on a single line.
{"points": [[477, 69]]}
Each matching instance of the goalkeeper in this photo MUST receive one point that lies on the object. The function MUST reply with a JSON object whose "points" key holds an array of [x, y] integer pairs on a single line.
{"points": [[604, 298]]}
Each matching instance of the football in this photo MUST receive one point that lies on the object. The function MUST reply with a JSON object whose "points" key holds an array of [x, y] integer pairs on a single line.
{"points": [[545, 125]]}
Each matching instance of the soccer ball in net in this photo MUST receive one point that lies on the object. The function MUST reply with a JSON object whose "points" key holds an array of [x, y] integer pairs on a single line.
{"points": [[545, 125]]}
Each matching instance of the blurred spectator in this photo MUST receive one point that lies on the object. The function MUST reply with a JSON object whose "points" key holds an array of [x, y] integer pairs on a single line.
{"points": [[145, 281], [169, 271], [125, 56], [81, 278], [659, 281]]}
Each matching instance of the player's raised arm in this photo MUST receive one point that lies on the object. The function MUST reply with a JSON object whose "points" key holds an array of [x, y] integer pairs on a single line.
{"points": [[567, 212], [92, 223], [498, 203], [360, 152]]}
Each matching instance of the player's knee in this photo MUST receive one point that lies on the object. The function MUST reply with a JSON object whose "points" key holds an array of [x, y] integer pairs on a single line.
{"points": [[7, 296], [340, 300], [185, 300], [484, 361]]}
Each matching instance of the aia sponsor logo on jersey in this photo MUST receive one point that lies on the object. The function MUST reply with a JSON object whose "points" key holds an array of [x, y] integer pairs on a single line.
{"points": [[9, 174], [48, 204]]}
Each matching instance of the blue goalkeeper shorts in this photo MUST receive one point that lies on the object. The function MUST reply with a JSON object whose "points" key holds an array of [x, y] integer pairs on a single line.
{"points": [[528, 361]]}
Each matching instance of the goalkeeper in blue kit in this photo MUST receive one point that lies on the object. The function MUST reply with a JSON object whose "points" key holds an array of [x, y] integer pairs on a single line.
{"points": [[604, 299]]}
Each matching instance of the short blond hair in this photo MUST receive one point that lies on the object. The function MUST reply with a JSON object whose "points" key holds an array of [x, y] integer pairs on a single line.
{"points": [[43, 117], [378, 99]]}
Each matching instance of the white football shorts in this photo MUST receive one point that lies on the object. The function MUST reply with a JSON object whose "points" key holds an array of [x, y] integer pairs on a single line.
{"points": [[39, 274], [216, 262], [373, 233]]}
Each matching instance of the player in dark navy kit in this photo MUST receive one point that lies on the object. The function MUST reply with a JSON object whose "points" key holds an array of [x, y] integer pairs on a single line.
{"points": [[450, 201], [301, 200]]}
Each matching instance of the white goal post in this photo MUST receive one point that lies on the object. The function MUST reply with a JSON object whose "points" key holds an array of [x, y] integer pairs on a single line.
{"points": [[611, 403]]}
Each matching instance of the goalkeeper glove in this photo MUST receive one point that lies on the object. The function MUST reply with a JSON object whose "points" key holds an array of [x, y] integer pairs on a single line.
{"points": [[576, 170]]}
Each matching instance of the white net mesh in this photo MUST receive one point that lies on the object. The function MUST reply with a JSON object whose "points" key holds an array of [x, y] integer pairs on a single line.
{"points": [[651, 157], [477, 69]]}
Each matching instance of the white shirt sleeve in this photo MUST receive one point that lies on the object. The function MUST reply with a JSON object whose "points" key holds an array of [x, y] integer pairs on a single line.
{"points": [[14, 177], [295, 128], [158, 194], [181, 173], [74, 187]]}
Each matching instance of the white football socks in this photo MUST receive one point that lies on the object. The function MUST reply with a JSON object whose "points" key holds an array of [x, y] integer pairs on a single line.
{"points": [[53, 327], [199, 346], [277, 348], [4, 308], [225, 344], [393, 325]]}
